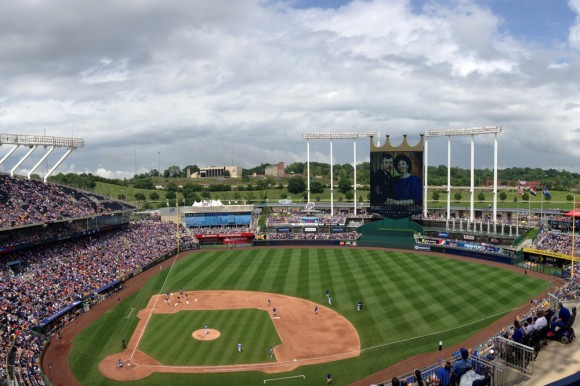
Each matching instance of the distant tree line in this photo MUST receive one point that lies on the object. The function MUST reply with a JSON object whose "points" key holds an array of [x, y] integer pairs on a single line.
{"points": [[320, 175]]}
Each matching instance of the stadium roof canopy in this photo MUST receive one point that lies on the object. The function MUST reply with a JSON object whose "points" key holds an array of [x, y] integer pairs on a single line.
{"points": [[573, 213]]}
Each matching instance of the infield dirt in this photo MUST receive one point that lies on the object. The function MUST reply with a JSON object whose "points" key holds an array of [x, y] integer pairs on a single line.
{"points": [[307, 337]]}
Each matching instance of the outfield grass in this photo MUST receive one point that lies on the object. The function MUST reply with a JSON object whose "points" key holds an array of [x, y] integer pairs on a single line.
{"points": [[168, 337], [411, 302]]}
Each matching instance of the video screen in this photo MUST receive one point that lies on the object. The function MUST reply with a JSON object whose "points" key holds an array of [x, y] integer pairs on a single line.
{"points": [[397, 183]]}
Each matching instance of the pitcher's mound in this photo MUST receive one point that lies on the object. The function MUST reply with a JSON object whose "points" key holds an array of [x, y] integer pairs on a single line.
{"points": [[201, 334]]}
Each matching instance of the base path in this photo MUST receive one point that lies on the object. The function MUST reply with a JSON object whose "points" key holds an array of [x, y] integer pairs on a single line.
{"points": [[307, 338]]}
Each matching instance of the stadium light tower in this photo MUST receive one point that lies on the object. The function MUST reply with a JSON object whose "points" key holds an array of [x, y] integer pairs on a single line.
{"points": [[329, 137], [33, 142], [462, 132]]}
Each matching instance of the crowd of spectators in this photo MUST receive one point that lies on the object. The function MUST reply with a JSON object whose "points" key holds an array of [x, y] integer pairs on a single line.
{"points": [[313, 236], [535, 319], [47, 279], [30, 235], [556, 242], [220, 230], [25, 202], [282, 218]]}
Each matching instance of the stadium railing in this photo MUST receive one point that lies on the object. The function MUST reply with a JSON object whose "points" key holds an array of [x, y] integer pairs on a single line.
{"points": [[480, 366], [513, 354]]}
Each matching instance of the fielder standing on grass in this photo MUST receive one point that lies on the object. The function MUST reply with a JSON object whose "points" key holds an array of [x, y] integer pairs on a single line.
{"points": [[240, 347], [271, 352]]}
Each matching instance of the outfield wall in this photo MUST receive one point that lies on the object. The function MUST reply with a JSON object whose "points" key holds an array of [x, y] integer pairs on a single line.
{"points": [[303, 243], [471, 253]]}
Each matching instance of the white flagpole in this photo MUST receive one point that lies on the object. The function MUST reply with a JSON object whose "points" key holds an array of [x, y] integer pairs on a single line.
{"points": [[529, 207], [517, 210]]}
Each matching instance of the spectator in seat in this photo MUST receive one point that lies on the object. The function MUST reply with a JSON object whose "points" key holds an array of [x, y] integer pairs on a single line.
{"points": [[541, 321], [460, 367], [528, 326], [562, 320], [444, 374], [418, 378], [518, 334], [486, 381]]}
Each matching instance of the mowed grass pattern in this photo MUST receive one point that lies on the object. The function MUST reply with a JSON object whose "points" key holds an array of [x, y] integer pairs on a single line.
{"points": [[411, 301], [168, 337]]}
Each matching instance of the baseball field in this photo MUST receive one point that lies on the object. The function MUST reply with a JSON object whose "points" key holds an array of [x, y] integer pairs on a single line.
{"points": [[411, 302]]}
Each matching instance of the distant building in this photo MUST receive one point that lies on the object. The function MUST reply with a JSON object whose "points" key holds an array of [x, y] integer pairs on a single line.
{"points": [[218, 171], [275, 170]]}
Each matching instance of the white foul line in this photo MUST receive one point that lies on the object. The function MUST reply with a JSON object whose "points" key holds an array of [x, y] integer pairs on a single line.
{"points": [[278, 379], [129, 313], [153, 308]]}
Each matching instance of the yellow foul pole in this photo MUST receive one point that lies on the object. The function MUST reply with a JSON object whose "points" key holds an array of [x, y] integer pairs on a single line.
{"points": [[573, 232], [177, 220]]}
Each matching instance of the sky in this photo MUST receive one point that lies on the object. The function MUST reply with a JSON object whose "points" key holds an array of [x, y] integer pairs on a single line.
{"points": [[150, 83]]}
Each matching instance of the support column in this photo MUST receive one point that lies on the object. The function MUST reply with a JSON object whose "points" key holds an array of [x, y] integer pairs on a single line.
{"points": [[448, 177], [354, 165], [308, 168], [495, 178], [33, 148], [9, 154], [331, 182], [40, 161], [472, 190], [425, 179], [57, 165]]}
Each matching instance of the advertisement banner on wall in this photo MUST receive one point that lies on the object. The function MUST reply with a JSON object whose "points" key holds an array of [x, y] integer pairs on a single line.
{"points": [[225, 238]]}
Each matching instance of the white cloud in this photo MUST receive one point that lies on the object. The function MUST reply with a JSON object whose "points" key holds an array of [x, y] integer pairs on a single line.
{"points": [[105, 71], [207, 82], [574, 36]]}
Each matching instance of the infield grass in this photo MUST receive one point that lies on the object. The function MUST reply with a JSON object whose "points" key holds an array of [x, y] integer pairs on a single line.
{"points": [[168, 337], [411, 302]]}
